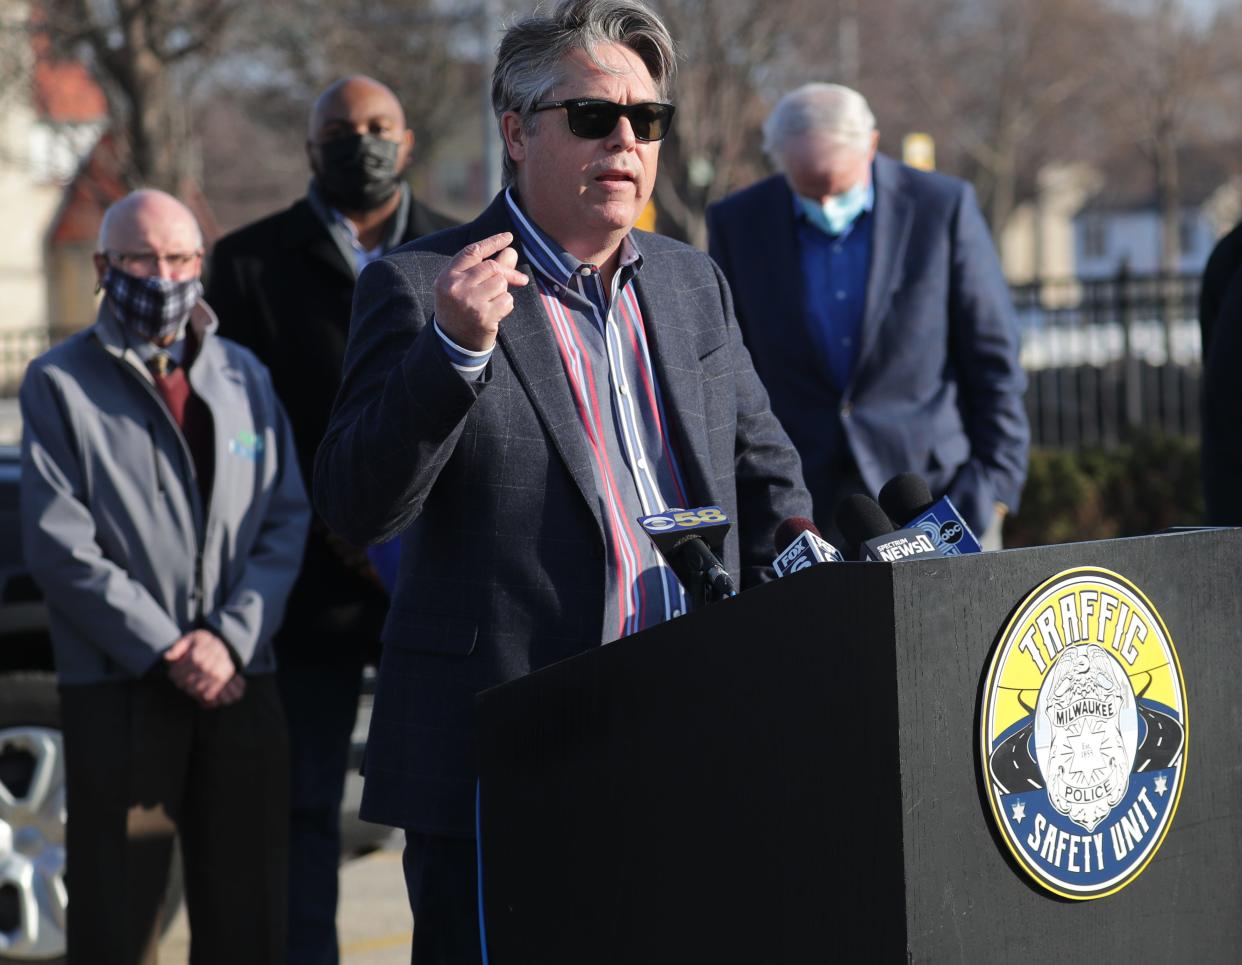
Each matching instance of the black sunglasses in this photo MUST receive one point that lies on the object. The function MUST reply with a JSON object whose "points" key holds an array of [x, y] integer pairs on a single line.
{"points": [[593, 119]]}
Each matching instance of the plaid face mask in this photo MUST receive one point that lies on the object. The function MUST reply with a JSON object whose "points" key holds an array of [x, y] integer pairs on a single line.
{"points": [[152, 308]]}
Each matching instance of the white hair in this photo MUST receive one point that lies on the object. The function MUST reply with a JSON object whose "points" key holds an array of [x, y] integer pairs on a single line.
{"points": [[833, 111]]}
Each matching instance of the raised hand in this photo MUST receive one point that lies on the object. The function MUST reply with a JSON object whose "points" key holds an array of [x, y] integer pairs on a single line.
{"points": [[472, 292]]}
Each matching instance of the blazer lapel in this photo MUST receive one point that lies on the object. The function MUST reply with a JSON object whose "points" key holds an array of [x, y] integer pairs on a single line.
{"points": [[894, 214], [675, 360], [526, 339]]}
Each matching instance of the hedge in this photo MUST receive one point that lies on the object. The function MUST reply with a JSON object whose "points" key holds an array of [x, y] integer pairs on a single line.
{"points": [[1143, 486]]}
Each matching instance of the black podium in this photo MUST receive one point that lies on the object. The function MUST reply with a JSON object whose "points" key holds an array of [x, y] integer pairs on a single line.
{"points": [[792, 776]]}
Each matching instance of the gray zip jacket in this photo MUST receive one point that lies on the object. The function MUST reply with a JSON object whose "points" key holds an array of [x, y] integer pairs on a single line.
{"points": [[113, 527]]}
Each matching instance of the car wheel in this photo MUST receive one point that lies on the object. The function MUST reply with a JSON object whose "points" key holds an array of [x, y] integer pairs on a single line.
{"points": [[34, 897]]}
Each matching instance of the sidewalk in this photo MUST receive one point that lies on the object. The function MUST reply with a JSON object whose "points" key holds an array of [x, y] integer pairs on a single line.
{"points": [[373, 918]]}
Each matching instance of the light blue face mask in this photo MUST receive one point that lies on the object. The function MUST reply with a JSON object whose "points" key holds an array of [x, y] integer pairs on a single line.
{"points": [[838, 211]]}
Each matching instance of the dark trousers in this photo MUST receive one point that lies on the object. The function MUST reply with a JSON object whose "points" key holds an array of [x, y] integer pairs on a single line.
{"points": [[143, 763], [321, 703], [441, 876]]}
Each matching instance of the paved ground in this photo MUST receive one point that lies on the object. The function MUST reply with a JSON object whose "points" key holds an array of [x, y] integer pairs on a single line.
{"points": [[373, 919]]}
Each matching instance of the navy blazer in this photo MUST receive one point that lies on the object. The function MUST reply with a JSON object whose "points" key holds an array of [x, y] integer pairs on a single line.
{"points": [[491, 488], [937, 387]]}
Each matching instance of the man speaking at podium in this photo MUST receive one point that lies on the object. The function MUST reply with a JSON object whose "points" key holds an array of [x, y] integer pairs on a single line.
{"points": [[516, 392]]}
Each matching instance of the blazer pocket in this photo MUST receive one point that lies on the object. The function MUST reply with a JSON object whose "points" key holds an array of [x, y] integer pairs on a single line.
{"points": [[715, 362], [417, 632], [704, 356]]}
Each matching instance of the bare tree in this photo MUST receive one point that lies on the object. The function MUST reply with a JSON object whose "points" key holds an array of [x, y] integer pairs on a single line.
{"points": [[1164, 57], [143, 53], [286, 51], [730, 51], [999, 82]]}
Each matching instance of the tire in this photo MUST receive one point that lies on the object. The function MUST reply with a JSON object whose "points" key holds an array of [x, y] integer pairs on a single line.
{"points": [[33, 893]]}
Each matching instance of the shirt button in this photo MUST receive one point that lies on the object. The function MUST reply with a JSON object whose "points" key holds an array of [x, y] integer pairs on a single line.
{"points": [[840, 296], [624, 389], [642, 463], [584, 270], [847, 408]]}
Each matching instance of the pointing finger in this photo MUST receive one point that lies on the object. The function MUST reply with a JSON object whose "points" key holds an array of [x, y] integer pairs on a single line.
{"points": [[478, 251], [485, 271]]}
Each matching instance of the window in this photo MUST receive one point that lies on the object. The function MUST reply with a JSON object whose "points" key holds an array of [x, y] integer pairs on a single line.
{"points": [[1094, 236]]}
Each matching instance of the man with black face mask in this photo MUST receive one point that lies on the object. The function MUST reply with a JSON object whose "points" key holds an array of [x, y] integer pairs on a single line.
{"points": [[283, 287]]}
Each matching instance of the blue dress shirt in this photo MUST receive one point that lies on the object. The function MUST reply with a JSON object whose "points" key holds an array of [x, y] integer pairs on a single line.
{"points": [[834, 273]]}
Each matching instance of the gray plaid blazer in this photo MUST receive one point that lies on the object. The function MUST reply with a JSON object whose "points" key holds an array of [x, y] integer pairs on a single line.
{"points": [[489, 485]]}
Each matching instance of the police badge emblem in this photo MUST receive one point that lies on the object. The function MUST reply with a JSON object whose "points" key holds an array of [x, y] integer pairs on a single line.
{"points": [[1083, 733]]}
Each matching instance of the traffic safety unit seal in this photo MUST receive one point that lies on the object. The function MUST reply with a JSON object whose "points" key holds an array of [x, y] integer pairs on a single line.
{"points": [[1083, 733]]}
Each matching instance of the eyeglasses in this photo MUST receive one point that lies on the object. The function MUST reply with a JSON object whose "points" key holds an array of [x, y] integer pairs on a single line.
{"points": [[593, 119], [150, 261]]}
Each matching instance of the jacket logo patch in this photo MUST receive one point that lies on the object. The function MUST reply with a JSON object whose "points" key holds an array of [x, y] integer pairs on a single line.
{"points": [[247, 445]]}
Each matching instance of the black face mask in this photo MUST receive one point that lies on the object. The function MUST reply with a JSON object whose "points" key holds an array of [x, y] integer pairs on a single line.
{"points": [[357, 172]]}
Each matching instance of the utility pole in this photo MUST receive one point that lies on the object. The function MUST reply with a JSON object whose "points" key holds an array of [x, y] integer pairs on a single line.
{"points": [[847, 43], [489, 18]]}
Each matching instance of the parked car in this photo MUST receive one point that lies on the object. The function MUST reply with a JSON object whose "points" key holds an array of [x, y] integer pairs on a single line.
{"points": [[34, 894]]}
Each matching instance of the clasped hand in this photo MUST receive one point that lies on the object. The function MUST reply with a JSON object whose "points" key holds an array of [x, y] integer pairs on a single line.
{"points": [[200, 665]]}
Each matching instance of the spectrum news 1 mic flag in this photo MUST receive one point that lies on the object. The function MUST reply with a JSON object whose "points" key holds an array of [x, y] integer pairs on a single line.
{"points": [[873, 536], [907, 497]]}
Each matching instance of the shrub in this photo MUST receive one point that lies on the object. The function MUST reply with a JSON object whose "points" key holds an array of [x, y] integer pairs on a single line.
{"points": [[1146, 485]]}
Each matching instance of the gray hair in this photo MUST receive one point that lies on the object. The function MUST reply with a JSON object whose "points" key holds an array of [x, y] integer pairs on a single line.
{"points": [[530, 59], [832, 111]]}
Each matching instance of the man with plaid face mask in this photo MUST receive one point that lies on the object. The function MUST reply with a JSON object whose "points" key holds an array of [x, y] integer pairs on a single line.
{"points": [[164, 518]]}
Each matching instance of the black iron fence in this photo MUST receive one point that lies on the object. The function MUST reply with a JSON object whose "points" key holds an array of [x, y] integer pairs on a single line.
{"points": [[17, 348], [1103, 357], [1106, 357]]}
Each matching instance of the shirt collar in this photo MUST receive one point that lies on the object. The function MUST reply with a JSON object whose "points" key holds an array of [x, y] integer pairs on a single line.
{"points": [[549, 258], [343, 232]]}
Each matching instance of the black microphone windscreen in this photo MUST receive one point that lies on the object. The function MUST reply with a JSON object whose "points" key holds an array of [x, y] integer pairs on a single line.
{"points": [[905, 497], [791, 528], [860, 518]]}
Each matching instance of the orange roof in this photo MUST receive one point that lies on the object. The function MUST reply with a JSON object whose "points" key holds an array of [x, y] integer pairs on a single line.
{"points": [[66, 93], [64, 90], [97, 184]]}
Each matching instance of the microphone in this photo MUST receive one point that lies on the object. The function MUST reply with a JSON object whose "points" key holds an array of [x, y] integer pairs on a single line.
{"points": [[804, 546], [872, 535], [690, 541], [860, 518], [906, 496]]}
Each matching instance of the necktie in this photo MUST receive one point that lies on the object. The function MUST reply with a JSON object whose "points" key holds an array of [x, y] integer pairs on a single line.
{"points": [[160, 364], [171, 384]]}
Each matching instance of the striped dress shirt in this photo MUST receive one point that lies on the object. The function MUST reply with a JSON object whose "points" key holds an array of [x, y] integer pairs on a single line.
{"points": [[602, 341]]}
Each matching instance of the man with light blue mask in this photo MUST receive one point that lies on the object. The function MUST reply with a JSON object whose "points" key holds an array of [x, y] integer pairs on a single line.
{"points": [[164, 517], [873, 304]]}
